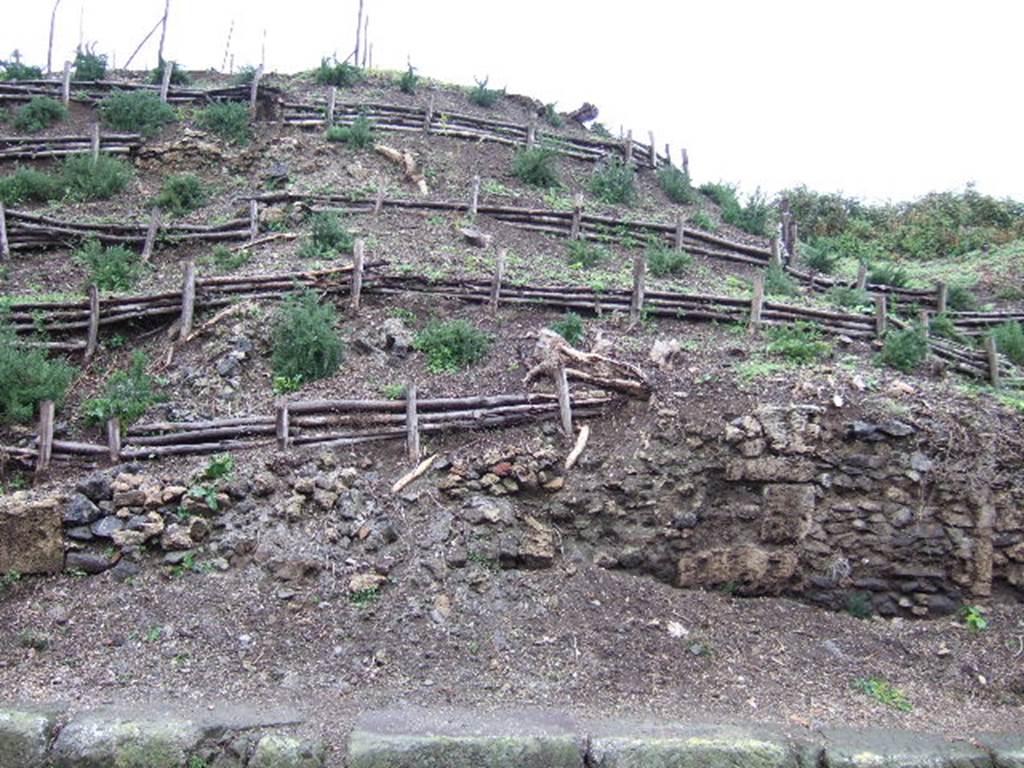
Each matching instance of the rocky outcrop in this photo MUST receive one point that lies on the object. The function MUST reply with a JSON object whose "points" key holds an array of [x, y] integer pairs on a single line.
{"points": [[30, 535]]}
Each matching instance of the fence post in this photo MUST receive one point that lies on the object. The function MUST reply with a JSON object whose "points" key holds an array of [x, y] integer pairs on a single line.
{"points": [[114, 438], [577, 217], [412, 424], [992, 353], [254, 92], [636, 301], [564, 403], [94, 143], [499, 273], [281, 423], [862, 276], [358, 255], [332, 100], [94, 322], [923, 321], [756, 304], [654, 150], [65, 85], [378, 201], [474, 197], [254, 220], [45, 442], [794, 238], [680, 232], [429, 117], [151, 231], [531, 132], [880, 315], [784, 216], [5, 246], [941, 297], [668, 155], [776, 257], [188, 300], [165, 84], [686, 162], [627, 148]]}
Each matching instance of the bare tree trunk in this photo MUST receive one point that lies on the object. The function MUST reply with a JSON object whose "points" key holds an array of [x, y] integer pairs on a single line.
{"points": [[366, 38], [163, 33], [359, 29], [49, 49], [227, 46]]}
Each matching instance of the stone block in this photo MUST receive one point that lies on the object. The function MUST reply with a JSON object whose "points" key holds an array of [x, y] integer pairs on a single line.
{"points": [[31, 535]]}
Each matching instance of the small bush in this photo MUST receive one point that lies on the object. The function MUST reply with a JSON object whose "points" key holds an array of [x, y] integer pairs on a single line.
{"points": [[961, 298], [27, 376], [613, 182], [847, 297], [136, 112], [483, 96], [551, 116], [178, 75], [408, 82], [359, 135], [858, 605], [599, 129], [664, 260], [701, 220], [884, 693], [306, 345], [800, 343], [244, 76], [341, 74], [29, 185], [1010, 340], [112, 269], [128, 395], [451, 346], [570, 328], [904, 349], [818, 258], [888, 274], [778, 283], [15, 70], [537, 166], [943, 327], [39, 114], [226, 260], [973, 618], [181, 194], [676, 185], [227, 119], [329, 238], [84, 179], [751, 218], [90, 65], [584, 254]]}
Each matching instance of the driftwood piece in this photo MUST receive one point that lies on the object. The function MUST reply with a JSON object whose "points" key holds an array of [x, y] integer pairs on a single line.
{"points": [[581, 444], [603, 372], [405, 161], [420, 470]]}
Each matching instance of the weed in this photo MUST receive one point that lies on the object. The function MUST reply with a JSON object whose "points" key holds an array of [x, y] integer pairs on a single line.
{"points": [[752, 217], [153, 634], [676, 185], [227, 119], [551, 116], [599, 129], [29, 185], [451, 345], [583, 254], [196, 762], [181, 194], [394, 391], [847, 297], [136, 112], [329, 238], [888, 274], [220, 467], [359, 135], [818, 258], [364, 597], [15, 70], [752, 370], [244, 76], [408, 82], [973, 618], [904, 349], [88, 64], [28, 376], [226, 260], [570, 328], [10, 578], [36, 641], [778, 283], [883, 692], [403, 314], [960, 297], [943, 327], [114, 268], [1010, 340], [537, 166], [664, 260], [306, 345], [496, 188], [86, 179], [614, 183], [178, 75], [701, 220], [483, 96], [284, 385], [40, 113], [800, 343], [128, 395], [858, 605], [484, 561], [340, 74]]}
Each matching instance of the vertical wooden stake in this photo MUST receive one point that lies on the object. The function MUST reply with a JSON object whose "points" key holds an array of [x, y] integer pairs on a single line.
{"points": [[923, 321], [776, 257], [654, 150], [756, 304], [151, 232], [378, 202], [680, 232], [428, 119], [5, 246], [281, 423], [332, 100], [65, 86], [499, 274], [577, 217], [254, 90], [474, 197], [358, 256], [992, 353], [685, 158], [114, 438], [531, 133], [45, 441], [880, 315], [188, 300], [627, 148], [862, 276], [165, 84], [636, 302], [668, 155], [94, 322], [564, 403], [94, 143], [254, 220], [941, 297], [412, 424]]}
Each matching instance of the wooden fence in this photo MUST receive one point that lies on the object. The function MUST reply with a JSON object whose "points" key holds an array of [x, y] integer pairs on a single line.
{"points": [[92, 92], [40, 147]]}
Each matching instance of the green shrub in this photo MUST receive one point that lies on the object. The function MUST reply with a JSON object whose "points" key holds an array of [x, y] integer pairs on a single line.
{"points": [[904, 349], [858, 605], [128, 395], [181, 194], [329, 237], [244, 76], [1010, 340], [112, 269], [359, 135], [483, 96], [227, 119], [84, 179], [27, 376], [800, 343], [537, 166], [15, 70], [341, 74], [551, 116], [751, 218], [818, 258], [888, 274], [599, 129], [226, 260], [778, 283], [961, 298], [664, 260], [570, 328], [943, 327], [89, 65], [29, 185], [701, 220], [178, 75], [408, 82], [306, 345], [584, 254], [613, 182], [676, 185], [847, 297], [40, 113], [136, 112], [884, 693], [451, 346]]}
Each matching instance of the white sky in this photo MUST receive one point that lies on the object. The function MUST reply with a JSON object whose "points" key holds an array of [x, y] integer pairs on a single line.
{"points": [[883, 99]]}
